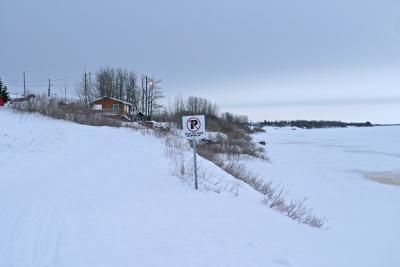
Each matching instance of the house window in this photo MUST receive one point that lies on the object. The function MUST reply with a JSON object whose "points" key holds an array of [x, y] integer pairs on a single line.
{"points": [[98, 107], [115, 106]]}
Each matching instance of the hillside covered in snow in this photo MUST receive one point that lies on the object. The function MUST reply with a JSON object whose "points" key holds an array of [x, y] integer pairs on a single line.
{"points": [[76, 195]]}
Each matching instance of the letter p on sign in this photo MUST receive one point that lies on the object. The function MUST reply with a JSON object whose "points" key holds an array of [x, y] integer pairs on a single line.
{"points": [[193, 126]]}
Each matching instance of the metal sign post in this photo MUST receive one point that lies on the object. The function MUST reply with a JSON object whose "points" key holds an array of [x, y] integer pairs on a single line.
{"points": [[194, 128], [196, 186]]}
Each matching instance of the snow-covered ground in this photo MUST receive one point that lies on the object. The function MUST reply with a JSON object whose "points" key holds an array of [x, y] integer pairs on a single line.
{"points": [[75, 195]]}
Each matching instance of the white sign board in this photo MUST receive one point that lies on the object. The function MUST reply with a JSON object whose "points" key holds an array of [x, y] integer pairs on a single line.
{"points": [[194, 126]]}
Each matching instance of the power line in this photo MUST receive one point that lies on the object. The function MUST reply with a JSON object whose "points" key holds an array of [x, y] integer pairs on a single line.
{"points": [[43, 81], [16, 81], [42, 85], [68, 78]]}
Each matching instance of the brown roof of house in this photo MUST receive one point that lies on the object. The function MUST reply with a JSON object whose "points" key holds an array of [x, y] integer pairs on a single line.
{"points": [[126, 103]]}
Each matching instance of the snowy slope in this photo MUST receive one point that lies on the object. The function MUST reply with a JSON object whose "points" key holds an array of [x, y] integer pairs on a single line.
{"points": [[74, 195]]}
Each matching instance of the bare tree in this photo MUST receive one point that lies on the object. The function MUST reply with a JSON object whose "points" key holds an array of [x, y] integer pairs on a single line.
{"points": [[198, 105], [151, 94], [234, 118], [122, 84], [143, 94], [132, 91], [105, 82], [154, 96], [85, 89]]}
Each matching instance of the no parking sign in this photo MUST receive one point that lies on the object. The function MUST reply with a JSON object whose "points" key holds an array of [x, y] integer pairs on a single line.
{"points": [[194, 126]]}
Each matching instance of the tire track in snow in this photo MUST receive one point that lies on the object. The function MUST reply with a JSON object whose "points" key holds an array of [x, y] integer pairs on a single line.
{"points": [[31, 228], [28, 235], [44, 216], [31, 232]]}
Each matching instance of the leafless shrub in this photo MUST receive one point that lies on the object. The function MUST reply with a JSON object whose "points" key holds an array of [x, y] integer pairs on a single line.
{"points": [[232, 147], [277, 199], [274, 195], [258, 130], [237, 140], [183, 169], [177, 149], [55, 108]]}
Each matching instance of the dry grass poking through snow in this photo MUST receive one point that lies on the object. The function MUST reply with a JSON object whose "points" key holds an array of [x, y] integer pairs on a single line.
{"points": [[225, 154], [178, 151], [275, 196], [55, 108]]}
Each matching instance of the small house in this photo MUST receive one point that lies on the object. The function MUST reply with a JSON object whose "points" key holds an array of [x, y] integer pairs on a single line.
{"points": [[139, 116], [1, 101], [112, 107]]}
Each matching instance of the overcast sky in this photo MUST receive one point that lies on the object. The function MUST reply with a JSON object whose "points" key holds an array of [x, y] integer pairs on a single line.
{"points": [[269, 59]]}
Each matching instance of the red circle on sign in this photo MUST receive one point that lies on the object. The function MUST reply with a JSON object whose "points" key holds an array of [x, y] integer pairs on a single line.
{"points": [[193, 127]]}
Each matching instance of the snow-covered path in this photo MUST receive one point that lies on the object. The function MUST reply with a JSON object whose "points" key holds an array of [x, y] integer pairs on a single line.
{"points": [[74, 195]]}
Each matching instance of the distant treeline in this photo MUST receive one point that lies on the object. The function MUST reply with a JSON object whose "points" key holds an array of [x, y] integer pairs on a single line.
{"points": [[314, 124]]}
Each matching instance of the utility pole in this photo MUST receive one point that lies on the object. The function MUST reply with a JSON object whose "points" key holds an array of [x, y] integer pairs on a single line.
{"points": [[48, 91], [24, 85], [151, 97], [142, 98], [65, 93], [146, 109], [85, 89]]}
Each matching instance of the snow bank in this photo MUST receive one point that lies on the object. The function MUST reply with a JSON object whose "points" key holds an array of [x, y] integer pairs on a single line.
{"points": [[75, 195]]}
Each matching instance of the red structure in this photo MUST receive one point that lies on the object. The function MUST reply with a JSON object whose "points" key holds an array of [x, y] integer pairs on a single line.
{"points": [[1, 101]]}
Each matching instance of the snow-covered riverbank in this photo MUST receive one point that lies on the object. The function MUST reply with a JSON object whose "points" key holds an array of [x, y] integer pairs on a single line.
{"points": [[75, 195]]}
